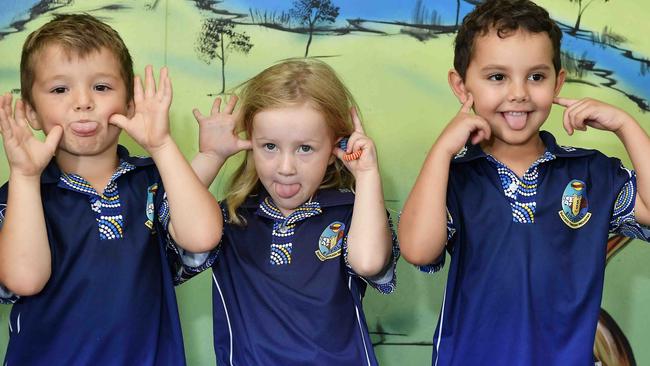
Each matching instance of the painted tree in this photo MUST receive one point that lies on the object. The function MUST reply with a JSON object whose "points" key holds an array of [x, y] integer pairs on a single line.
{"points": [[581, 10], [217, 38], [311, 13]]}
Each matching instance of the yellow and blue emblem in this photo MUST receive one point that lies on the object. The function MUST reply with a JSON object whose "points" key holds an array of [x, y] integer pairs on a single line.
{"points": [[331, 241], [575, 206], [151, 195]]}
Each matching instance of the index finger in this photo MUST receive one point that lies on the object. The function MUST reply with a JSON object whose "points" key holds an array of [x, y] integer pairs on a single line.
{"points": [[469, 102], [565, 102], [356, 121]]}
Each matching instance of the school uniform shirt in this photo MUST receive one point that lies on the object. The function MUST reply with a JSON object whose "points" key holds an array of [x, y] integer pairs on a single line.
{"points": [[110, 298], [528, 256], [283, 291]]}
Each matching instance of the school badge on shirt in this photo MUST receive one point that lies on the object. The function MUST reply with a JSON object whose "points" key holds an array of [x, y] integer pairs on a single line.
{"points": [[151, 195], [331, 241], [575, 205]]}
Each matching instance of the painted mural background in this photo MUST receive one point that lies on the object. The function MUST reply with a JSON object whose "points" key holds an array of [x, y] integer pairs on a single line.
{"points": [[394, 56]]}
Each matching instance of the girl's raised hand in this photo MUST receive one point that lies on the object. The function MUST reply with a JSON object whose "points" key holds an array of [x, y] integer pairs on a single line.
{"points": [[217, 135], [27, 156], [358, 143]]}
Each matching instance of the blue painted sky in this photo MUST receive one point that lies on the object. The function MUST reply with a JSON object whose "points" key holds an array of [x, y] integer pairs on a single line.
{"points": [[390, 10], [14, 9]]}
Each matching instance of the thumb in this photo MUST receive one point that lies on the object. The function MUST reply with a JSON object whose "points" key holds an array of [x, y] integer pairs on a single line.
{"points": [[53, 138], [118, 120], [244, 144]]}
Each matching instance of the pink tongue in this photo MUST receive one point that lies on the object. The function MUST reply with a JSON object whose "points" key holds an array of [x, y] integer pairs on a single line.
{"points": [[83, 127], [286, 190], [516, 122]]}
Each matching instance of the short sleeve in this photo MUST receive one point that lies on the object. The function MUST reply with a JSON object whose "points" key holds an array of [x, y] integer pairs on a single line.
{"points": [[6, 296], [184, 264], [623, 221], [386, 281], [440, 261]]}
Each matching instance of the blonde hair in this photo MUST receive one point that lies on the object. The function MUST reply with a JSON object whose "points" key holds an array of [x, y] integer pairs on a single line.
{"points": [[291, 83], [77, 34]]}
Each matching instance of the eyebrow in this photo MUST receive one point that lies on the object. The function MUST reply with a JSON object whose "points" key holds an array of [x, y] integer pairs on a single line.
{"points": [[544, 67]]}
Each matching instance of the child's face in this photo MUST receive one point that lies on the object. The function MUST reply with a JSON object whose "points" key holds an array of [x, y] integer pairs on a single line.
{"points": [[513, 83], [292, 147], [78, 94]]}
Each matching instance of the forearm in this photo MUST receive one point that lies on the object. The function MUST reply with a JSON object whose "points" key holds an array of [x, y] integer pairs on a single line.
{"points": [[637, 144], [369, 238], [423, 223], [195, 217], [25, 258], [206, 167]]}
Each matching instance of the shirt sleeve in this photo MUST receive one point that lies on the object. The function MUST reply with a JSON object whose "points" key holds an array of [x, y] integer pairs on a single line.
{"points": [[385, 281], [6, 296], [440, 261], [184, 264], [623, 221]]}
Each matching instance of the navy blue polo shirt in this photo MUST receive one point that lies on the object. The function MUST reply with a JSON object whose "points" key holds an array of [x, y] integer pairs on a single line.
{"points": [[110, 298], [528, 256], [283, 292]]}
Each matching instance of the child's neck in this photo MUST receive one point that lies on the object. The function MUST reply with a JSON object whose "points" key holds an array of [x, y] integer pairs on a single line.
{"points": [[96, 169], [516, 157]]}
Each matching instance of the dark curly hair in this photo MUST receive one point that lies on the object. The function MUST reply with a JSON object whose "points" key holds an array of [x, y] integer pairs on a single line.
{"points": [[505, 17]]}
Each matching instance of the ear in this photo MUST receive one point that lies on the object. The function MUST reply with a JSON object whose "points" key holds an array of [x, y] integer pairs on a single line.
{"points": [[457, 85], [32, 116], [559, 81]]}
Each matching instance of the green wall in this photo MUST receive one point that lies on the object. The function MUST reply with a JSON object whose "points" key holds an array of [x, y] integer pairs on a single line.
{"points": [[400, 83]]}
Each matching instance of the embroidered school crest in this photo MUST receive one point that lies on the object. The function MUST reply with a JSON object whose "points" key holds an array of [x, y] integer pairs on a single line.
{"points": [[575, 205], [331, 241], [151, 195]]}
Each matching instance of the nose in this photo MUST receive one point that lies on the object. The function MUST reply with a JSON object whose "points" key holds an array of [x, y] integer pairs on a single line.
{"points": [[84, 102], [287, 164], [518, 92]]}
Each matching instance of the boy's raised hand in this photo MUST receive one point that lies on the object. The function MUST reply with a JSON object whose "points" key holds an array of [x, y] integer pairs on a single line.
{"points": [[217, 135], [149, 126], [27, 156], [464, 126], [358, 141], [580, 113]]}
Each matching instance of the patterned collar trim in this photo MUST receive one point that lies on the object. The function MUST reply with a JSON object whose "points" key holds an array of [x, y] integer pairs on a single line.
{"points": [[77, 183], [473, 152], [53, 174], [268, 209]]}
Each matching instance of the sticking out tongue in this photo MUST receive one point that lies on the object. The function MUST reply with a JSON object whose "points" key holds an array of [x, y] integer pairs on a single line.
{"points": [[83, 128], [286, 190], [516, 121]]}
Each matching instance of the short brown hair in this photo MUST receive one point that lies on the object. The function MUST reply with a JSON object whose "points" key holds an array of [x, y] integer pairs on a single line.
{"points": [[505, 17], [78, 34]]}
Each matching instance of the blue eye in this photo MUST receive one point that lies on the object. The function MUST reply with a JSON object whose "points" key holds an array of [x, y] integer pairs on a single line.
{"points": [[304, 148], [269, 146], [496, 77]]}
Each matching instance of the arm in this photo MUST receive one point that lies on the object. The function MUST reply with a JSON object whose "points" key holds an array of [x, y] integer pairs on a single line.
{"points": [[423, 224], [25, 258], [369, 238], [589, 112], [194, 213]]}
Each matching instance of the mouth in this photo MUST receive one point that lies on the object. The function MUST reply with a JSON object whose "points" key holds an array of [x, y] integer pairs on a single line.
{"points": [[516, 120], [286, 190], [84, 128]]}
